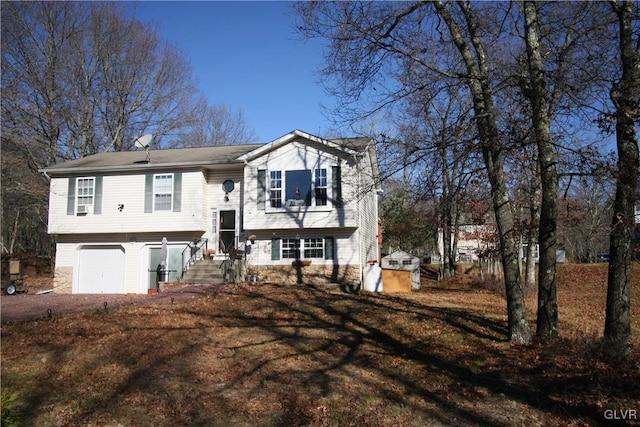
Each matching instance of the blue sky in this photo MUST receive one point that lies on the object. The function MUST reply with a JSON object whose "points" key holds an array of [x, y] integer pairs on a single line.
{"points": [[247, 55]]}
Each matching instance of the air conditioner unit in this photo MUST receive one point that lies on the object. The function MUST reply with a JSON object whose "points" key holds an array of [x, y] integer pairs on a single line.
{"points": [[83, 209]]}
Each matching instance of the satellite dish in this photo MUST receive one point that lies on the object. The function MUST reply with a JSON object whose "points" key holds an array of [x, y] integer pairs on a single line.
{"points": [[144, 141]]}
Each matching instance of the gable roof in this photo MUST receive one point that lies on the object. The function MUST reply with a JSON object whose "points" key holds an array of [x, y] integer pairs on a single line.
{"points": [[124, 161], [349, 145]]}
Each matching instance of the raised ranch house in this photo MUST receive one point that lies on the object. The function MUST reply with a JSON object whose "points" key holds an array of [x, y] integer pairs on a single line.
{"points": [[297, 209]]}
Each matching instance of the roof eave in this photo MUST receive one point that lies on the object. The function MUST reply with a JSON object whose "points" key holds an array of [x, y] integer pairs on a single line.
{"points": [[138, 167]]}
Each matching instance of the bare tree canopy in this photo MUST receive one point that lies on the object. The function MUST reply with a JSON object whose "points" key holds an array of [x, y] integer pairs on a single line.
{"points": [[217, 125], [80, 78]]}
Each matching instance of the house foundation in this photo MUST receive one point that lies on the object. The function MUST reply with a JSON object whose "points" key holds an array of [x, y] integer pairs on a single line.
{"points": [[310, 274], [63, 280]]}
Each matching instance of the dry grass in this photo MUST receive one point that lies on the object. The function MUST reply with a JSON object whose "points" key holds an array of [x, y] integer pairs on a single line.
{"points": [[273, 356]]}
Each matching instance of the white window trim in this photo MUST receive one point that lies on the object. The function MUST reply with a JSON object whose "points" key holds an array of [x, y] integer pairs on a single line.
{"points": [[283, 189], [315, 187], [280, 189], [92, 195], [302, 247], [155, 192]]}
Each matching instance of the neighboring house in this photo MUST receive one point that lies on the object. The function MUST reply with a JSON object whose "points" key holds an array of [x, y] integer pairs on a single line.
{"points": [[473, 241], [302, 199], [476, 241]]}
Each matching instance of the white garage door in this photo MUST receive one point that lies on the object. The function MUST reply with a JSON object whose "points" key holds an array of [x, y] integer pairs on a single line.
{"points": [[101, 270]]}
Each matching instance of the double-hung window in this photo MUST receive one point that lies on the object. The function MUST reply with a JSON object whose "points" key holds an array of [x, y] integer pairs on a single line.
{"points": [[313, 248], [163, 192], [275, 189], [306, 248], [291, 248], [302, 248], [321, 187], [85, 188]]}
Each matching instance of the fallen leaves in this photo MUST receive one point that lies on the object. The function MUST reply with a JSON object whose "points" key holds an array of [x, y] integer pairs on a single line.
{"points": [[296, 355]]}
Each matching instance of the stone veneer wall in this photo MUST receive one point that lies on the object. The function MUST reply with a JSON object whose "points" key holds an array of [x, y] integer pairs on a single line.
{"points": [[321, 274], [63, 280]]}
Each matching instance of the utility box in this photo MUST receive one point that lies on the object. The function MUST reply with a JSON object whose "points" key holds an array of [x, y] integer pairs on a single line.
{"points": [[401, 260]]}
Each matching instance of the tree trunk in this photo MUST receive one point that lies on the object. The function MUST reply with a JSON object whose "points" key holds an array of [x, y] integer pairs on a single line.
{"points": [[625, 97], [547, 324], [530, 266], [14, 232], [534, 218], [492, 152]]}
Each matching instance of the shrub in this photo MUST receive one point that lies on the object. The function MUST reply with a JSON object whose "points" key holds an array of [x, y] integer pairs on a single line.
{"points": [[8, 415]]}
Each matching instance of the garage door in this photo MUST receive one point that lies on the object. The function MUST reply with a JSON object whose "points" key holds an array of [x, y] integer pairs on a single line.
{"points": [[101, 270]]}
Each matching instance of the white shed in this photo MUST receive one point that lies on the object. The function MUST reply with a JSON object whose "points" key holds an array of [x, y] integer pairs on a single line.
{"points": [[401, 260]]}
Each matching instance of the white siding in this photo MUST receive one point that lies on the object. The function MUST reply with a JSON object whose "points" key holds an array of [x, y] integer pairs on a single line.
{"points": [[215, 196], [292, 157], [368, 214], [127, 190], [136, 274], [353, 226], [346, 247], [215, 193]]}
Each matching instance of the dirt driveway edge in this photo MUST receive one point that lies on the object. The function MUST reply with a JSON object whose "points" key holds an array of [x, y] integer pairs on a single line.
{"points": [[31, 306]]}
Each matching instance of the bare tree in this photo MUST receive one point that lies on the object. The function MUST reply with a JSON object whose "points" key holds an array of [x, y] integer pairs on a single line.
{"points": [[584, 217], [449, 157], [217, 125], [472, 50], [547, 325], [80, 78], [377, 47], [625, 95], [84, 78]]}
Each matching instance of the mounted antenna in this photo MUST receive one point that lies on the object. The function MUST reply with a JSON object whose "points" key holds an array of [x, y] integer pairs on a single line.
{"points": [[144, 142]]}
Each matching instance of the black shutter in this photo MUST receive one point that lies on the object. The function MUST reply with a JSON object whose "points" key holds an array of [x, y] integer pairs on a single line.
{"points": [[336, 186], [177, 191], [148, 193], [275, 249], [71, 196], [97, 195], [329, 248], [262, 188]]}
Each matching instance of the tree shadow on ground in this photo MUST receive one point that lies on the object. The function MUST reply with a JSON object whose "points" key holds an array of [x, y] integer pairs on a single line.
{"points": [[297, 355]]}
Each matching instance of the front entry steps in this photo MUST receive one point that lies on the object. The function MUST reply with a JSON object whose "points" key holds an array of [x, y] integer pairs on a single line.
{"points": [[215, 272]]}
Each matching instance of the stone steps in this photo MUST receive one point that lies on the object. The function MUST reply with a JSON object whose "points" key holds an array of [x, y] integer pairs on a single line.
{"points": [[205, 271]]}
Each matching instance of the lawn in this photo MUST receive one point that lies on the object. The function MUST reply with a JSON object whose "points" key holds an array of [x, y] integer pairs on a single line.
{"points": [[269, 355]]}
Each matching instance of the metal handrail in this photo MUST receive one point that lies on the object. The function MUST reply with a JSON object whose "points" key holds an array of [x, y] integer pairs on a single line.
{"points": [[197, 249]]}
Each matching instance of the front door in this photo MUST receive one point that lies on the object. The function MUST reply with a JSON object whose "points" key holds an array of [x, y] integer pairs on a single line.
{"points": [[227, 230]]}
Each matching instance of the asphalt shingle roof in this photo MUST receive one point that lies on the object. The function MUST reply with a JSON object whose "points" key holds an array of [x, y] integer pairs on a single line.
{"points": [[177, 156]]}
